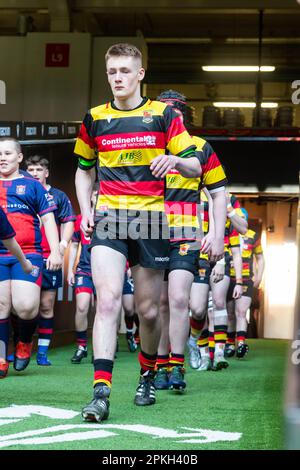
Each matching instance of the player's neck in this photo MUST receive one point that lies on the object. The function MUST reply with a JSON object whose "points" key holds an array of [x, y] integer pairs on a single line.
{"points": [[130, 103], [12, 176], [47, 186]]}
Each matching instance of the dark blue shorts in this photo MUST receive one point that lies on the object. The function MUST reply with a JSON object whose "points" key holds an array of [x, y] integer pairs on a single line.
{"points": [[128, 287], [11, 269], [84, 283], [52, 280]]}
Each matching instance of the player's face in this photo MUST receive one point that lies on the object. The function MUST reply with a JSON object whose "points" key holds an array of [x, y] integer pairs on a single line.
{"points": [[9, 158], [124, 76], [38, 172]]}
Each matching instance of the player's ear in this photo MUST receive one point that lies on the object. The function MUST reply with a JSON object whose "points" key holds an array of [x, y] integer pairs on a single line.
{"points": [[20, 157], [141, 74]]}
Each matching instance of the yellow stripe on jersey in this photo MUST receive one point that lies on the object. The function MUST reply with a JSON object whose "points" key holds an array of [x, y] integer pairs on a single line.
{"points": [[84, 150], [181, 220], [134, 203], [211, 176], [177, 181]]}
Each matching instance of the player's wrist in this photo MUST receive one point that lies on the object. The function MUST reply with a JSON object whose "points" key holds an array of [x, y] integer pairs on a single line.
{"points": [[64, 243]]}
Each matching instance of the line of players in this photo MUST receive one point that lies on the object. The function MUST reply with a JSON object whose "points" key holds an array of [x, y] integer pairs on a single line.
{"points": [[37, 225], [227, 287]]}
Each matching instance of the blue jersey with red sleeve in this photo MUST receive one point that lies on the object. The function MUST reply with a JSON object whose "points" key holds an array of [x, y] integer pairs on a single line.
{"points": [[64, 213], [6, 230], [24, 200], [84, 264]]}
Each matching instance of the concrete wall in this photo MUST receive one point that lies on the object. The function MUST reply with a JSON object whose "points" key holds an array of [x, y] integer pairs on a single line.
{"points": [[39, 93]]}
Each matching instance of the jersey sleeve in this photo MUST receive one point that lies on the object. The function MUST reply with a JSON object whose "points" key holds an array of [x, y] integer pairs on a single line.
{"points": [[179, 142], [85, 146], [257, 247], [44, 201], [76, 233], [233, 238], [65, 209], [213, 175], [6, 230]]}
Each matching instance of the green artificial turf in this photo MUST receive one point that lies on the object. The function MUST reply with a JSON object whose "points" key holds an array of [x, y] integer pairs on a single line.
{"points": [[246, 398]]}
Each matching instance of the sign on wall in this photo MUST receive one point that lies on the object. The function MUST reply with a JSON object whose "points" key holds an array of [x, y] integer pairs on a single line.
{"points": [[57, 55]]}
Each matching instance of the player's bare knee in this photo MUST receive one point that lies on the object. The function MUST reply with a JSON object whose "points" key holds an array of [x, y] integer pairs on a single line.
{"points": [[109, 305]]}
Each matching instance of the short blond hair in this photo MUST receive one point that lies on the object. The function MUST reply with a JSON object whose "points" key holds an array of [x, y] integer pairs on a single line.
{"points": [[14, 141], [123, 49]]}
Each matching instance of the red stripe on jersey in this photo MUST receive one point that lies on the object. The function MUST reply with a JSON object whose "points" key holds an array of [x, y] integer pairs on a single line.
{"points": [[181, 207], [83, 135], [134, 140], [175, 128], [212, 162], [126, 188], [26, 234]]}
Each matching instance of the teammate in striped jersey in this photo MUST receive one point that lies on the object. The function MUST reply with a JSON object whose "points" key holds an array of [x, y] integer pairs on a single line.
{"points": [[24, 200], [38, 167], [182, 203], [129, 137], [250, 246]]}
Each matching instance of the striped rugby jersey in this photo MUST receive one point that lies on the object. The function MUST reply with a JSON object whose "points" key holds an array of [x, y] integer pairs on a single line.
{"points": [[182, 194], [124, 143], [250, 245], [24, 200], [231, 236]]}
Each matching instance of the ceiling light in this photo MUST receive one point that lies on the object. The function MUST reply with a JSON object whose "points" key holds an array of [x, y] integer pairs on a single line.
{"points": [[237, 68], [242, 104]]}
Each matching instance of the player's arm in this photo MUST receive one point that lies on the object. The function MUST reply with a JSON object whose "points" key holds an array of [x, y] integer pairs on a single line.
{"points": [[67, 230], [84, 181], [260, 266], [209, 237], [54, 261], [238, 266], [187, 167], [219, 216], [72, 258], [13, 246]]}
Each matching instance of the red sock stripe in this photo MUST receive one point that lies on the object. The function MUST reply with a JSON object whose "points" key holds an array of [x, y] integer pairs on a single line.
{"points": [[46, 331], [162, 362], [241, 338], [100, 375], [145, 363], [82, 342], [196, 324]]}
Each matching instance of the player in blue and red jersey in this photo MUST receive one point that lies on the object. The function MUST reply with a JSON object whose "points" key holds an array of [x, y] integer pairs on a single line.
{"points": [[82, 281], [38, 167], [24, 201]]}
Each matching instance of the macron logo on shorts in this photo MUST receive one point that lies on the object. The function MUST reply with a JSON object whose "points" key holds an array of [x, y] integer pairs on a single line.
{"points": [[162, 260]]}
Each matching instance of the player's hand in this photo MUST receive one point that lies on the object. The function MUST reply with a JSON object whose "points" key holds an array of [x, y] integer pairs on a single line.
{"points": [[71, 279], [207, 242], [54, 261], [162, 165], [218, 273], [217, 249], [87, 225], [237, 292], [27, 266]]}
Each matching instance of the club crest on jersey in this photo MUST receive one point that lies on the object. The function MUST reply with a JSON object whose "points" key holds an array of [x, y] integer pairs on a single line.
{"points": [[20, 189], [147, 116], [183, 249], [35, 271]]}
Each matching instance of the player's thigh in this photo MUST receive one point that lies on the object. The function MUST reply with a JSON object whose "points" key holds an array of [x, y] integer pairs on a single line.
{"points": [[47, 300], [148, 284], [25, 297], [108, 270], [180, 283], [242, 304], [128, 304], [199, 297], [83, 300], [219, 290]]}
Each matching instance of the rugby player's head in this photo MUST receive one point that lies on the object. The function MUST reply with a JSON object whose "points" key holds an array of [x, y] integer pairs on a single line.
{"points": [[176, 100], [10, 156], [124, 70], [38, 167]]}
